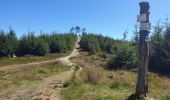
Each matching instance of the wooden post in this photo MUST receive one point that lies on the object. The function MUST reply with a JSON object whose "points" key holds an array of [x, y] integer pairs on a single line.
{"points": [[142, 81]]}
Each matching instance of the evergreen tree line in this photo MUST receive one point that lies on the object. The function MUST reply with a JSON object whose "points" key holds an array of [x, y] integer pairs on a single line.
{"points": [[97, 43], [160, 48], [126, 53], [30, 44]]}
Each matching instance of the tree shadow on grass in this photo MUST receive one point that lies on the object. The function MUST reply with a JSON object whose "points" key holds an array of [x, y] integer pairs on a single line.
{"points": [[135, 97]]}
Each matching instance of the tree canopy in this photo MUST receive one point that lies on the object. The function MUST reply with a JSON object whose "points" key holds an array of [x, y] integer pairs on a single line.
{"points": [[29, 44]]}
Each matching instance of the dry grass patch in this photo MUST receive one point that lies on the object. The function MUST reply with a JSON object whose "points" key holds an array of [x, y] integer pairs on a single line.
{"points": [[29, 75], [29, 59], [92, 76], [85, 60]]}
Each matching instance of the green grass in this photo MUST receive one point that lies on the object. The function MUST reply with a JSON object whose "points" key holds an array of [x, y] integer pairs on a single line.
{"points": [[94, 92], [29, 59], [159, 87], [117, 85]]}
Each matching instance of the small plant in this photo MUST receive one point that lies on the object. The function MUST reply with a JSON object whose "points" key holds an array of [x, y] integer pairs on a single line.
{"points": [[44, 71], [67, 84]]}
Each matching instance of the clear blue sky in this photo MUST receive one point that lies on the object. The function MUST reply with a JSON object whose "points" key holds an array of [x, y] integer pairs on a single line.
{"points": [[109, 17]]}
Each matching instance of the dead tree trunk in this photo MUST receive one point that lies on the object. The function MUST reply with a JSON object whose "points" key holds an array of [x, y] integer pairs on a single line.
{"points": [[143, 18]]}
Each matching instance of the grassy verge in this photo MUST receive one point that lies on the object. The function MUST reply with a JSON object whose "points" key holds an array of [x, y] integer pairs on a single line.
{"points": [[113, 85], [30, 77], [96, 83], [29, 59]]}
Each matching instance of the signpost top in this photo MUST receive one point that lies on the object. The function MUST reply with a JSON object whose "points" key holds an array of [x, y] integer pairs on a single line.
{"points": [[146, 4], [143, 18]]}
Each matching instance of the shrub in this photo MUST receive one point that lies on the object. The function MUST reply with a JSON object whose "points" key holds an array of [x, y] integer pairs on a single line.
{"points": [[8, 43], [27, 45], [42, 48], [61, 42], [2, 44], [126, 58], [160, 49]]}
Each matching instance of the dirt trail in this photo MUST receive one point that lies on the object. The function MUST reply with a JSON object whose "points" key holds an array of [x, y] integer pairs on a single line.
{"points": [[49, 90], [50, 87]]}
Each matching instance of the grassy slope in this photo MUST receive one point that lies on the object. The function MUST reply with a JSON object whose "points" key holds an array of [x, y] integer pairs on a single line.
{"points": [[31, 78], [95, 83], [29, 59]]}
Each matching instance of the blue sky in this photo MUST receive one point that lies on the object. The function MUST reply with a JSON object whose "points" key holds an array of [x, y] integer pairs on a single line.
{"points": [[108, 17]]}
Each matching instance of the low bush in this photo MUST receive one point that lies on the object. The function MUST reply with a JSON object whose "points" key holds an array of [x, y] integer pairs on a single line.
{"points": [[126, 58]]}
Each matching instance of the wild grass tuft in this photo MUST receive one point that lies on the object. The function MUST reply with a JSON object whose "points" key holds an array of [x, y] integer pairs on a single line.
{"points": [[32, 73]]}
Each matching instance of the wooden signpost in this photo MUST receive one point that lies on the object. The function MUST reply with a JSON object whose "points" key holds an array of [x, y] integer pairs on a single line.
{"points": [[143, 18]]}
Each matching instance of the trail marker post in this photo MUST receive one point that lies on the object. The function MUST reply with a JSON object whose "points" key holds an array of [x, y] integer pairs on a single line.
{"points": [[143, 18]]}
